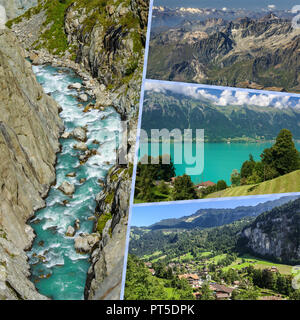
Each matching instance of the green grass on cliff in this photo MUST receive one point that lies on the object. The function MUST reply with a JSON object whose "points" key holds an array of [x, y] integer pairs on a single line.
{"points": [[248, 260], [54, 38], [102, 221], [284, 184]]}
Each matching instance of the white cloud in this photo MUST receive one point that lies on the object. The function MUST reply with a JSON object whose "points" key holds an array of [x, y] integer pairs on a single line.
{"points": [[227, 97], [272, 6]]}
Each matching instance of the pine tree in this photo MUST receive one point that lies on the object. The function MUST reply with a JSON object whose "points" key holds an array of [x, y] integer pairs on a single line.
{"points": [[184, 188], [283, 155]]}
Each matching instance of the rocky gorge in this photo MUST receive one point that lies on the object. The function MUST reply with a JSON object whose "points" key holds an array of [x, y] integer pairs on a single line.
{"points": [[109, 60]]}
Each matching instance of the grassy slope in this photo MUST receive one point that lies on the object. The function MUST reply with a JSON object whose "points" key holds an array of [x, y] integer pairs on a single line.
{"points": [[258, 264], [284, 184], [54, 39]]}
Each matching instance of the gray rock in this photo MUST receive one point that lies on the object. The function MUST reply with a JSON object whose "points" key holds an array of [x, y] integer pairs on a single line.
{"points": [[29, 130], [66, 135], [71, 174], [15, 8], [76, 86], [77, 224], [67, 188], [80, 146], [85, 242], [79, 134], [83, 97], [70, 231]]}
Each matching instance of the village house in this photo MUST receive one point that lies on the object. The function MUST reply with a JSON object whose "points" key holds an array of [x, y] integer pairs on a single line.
{"points": [[152, 271], [205, 185], [273, 269], [193, 280], [220, 291], [148, 264]]}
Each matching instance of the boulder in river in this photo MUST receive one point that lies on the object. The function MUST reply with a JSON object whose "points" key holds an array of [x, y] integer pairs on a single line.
{"points": [[76, 86], [66, 135], [77, 224], [67, 188], [85, 242], [83, 97], [80, 146], [65, 202], [70, 232], [79, 134], [71, 174]]}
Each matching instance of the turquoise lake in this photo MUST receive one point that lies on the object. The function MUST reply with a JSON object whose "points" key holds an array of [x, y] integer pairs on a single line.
{"points": [[219, 158], [58, 271]]}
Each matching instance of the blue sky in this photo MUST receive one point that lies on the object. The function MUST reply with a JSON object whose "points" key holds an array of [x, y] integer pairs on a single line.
{"points": [[231, 4], [145, 215]]}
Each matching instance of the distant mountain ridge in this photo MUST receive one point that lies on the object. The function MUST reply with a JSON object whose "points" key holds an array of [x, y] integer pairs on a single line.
{"points": [[208, 218], [257, 53], [165, 18], [170, 110]]}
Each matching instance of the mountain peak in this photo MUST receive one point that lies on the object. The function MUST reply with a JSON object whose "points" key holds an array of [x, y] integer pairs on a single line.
{"points": [[270, 16]]}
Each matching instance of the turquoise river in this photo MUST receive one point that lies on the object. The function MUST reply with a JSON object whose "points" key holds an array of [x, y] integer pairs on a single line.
{"points": [[58, 271]]}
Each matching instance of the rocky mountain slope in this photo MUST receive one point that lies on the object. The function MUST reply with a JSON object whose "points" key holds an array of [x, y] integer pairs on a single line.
{"points": [[106, 39], [171, 110], [209, 218], [29, 131], [15, 8], [258, 53], [276, 234]]}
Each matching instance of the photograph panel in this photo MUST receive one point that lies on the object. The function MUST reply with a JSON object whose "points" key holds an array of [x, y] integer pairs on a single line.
{"points": [[248, 144], [245, 44], [70, 83], [244, 248]]}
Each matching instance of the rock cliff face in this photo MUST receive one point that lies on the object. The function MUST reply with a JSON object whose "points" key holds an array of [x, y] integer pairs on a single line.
{"points": [[106, 39], [15, 8], [276, 234], [29, 131]]}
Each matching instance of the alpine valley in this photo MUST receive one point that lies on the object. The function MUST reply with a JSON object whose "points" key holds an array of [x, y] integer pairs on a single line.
{"points": [[242, 253]]}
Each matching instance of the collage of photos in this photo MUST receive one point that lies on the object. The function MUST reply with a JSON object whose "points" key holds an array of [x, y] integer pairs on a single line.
{"points": [[216, 212], [149, 150]]}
